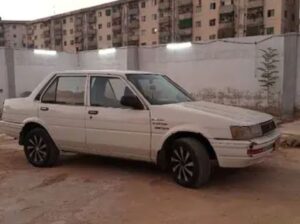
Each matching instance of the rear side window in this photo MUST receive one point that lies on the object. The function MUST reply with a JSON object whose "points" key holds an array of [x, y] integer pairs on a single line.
{"points": [[66, 90]]}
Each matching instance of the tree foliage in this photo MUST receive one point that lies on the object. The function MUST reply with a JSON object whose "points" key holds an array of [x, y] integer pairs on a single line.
{"points": [[268, 71]]}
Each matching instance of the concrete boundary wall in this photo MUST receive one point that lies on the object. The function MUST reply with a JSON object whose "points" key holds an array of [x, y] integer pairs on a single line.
{"points": [[222, 71]]}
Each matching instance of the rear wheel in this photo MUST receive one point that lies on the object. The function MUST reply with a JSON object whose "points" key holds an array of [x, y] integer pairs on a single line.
{"points": [[39, 148], [189, 162]]}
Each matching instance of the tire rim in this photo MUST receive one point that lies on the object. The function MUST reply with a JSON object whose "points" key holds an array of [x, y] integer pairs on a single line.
{"points": [[182, 164], [37, 149]]}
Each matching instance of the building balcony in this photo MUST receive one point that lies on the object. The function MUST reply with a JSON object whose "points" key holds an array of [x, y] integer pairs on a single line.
{"points": [[226, 9], [164, 5], [116, 14], [255, 22], [186, 15], [164, 33], [116, 27], [165, 19], [78, 33], [133, 11], [92, 19], [134, 37], [91, 32], [255, 3], [185, 32], [226, 32], [226, 25], [185, 3], [117, 39], [133, 24]]}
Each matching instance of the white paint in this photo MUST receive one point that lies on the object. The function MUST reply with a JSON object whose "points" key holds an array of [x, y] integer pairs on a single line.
{"points": [[107, 51], [178, 46], [45, 52]]}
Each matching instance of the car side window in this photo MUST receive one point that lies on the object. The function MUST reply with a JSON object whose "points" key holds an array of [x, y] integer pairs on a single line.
{"points": [[108, 92], [66, 90]]}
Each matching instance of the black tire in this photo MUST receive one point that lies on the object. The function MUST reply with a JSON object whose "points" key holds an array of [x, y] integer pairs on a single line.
{"points": [[40, 149], [189, 163]]}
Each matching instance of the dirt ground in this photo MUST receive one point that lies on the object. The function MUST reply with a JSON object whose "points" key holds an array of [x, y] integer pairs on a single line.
{"points": [[89, 189]]}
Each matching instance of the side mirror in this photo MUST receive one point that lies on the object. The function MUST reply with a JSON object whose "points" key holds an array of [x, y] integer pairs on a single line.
{"points": [[132, 101]]}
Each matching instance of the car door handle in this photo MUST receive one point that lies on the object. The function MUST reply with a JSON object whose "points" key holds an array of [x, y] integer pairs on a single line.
{"points": [[93, 112], [44, 108]]}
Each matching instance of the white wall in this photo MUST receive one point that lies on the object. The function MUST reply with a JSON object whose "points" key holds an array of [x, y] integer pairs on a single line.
{"points": [[91, 60], [297, 100], [214, 67], [3, 77], [31, 68]]}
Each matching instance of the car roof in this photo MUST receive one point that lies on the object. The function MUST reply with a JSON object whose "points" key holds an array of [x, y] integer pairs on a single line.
{"points": [[106, 72]]}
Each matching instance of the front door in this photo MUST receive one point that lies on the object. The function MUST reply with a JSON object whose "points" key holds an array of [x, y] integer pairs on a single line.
{"points": [[62, 110], [113, 129]]}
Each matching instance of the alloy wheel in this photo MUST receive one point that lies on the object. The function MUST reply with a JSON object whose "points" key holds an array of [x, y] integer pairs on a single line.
{"points": [[182, 164], [37, 149]]}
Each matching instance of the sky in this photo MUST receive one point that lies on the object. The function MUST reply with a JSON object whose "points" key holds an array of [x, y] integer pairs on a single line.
{"points": [[35, 9]]}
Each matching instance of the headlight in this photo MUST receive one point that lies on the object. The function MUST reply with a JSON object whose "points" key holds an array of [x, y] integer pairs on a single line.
{"points": [[246, 132]]}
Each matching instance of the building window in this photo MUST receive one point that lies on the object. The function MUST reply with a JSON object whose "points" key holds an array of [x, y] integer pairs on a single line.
{"points": [[15, 35], [198, 23], [64, 32], [293, 17], [143, 32], [35, 37], [154, 2], [100, 38], [144, 44], [107, 12], [72, 42], [212, 6], [100, 14], [285, 14], [212, 22], [108, 37], [143, 18], [198, 38], [154, 16], [212, 37], [154, 42], [71, 31], [64, 21], [99, 26], [108, 25], [270, 30], [14, 27], [65, 43], [143, 4], [71, 20], [271, 12]]}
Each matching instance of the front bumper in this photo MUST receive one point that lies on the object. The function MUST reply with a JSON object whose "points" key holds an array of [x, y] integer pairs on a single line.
{"points": [[11, 129], [234, 154]]}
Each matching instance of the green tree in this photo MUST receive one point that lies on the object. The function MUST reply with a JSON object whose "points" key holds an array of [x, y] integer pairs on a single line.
{"points": [[268, 77]]}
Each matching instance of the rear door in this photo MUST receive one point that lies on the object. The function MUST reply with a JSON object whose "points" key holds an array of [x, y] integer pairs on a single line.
{"points": [[113, 129], [62, 109]]}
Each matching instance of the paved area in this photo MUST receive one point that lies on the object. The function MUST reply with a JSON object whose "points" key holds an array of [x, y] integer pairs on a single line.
{"points": [[89, 189]]}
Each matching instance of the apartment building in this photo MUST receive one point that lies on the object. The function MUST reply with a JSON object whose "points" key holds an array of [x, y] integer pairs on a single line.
{"points": [[152, 22], [13, 34]]}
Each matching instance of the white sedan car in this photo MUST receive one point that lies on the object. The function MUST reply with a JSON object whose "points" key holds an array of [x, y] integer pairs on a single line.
{"points": [[136, 115]]}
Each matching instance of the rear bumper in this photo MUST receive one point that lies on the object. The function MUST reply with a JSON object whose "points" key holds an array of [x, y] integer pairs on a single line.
{"points": [[234, 154], [11, 129]]}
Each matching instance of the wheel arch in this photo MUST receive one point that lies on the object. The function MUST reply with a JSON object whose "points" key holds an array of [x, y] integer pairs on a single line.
{"points": [[29, 125], [164, 153]]}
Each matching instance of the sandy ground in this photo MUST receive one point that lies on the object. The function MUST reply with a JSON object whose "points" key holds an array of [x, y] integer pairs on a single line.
{"points": [[89, 189]]}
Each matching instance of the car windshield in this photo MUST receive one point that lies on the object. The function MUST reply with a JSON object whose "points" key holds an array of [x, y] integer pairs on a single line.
{"points": [[159, 89]]}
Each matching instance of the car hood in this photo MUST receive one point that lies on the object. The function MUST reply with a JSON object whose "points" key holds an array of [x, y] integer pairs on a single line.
{"points": [[236, 114]]}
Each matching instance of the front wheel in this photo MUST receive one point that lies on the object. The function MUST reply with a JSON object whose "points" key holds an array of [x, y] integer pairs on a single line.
{"points": [[190, 163], [39, 148]]}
